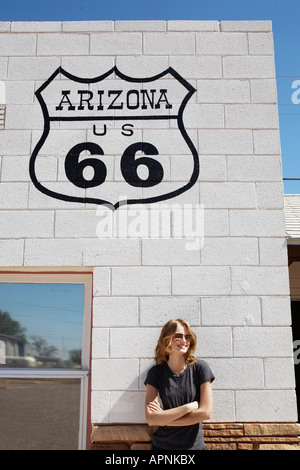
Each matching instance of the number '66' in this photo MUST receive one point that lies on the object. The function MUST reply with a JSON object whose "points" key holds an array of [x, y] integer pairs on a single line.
{"points": [[129, 165]]}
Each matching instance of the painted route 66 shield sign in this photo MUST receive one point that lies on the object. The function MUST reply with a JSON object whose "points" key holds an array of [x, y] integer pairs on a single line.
{"points": [[114, 137]]}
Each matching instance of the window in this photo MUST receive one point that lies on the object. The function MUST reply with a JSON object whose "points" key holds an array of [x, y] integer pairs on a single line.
{"points": [[44, 360]]}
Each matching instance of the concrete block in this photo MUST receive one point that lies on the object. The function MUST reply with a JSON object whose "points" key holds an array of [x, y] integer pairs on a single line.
{"points": [[127, 407], [197, 66], [216, 223], [269, 195], [225, 141], [229, 251], [62, 44], [169, 143], [133, 342], [59, 142], [204, 116], [111, 252], [76, 223], [202, 280], [224, 406], [145, 365], [3, 101], [81, 26], [266, 142], [230, 311], [257, 223], [254, 168], [253, 116], [192, 25], [26, 224], [101, 281], [263, 91], [32, 68], [262, 341], [228, 195], [24, 117], [15, 168], [259, 25], [144, 25], [169, 43], [159, 310], [276, 310], [5, 26], [100, 406], [115, 374], [53, 252], [3, 67], [143, 280], [17, 44], [11, 252], [115, 311], [248, 67], [279, 373], [266, 405], [14, 142], [35, 26], [168, 252], [141, 66], [87, 66], [261, 43], [273, 251], [39, 200], [222, 44], [18, 92], [230, 373], [260, 280], [223, 91], [212, 168], [100, 343], [13, 195], [213, 342], [116, 44]]}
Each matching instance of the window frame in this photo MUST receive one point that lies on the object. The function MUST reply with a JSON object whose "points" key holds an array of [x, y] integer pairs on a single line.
{"points": [[83, 374]]}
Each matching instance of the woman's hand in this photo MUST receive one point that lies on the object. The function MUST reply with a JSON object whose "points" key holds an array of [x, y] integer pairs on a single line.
{"points": [[154, 405], [190, 407]]}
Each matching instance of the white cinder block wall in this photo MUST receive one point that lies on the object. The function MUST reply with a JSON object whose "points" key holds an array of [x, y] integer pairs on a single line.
{"points": [[234, 291]]}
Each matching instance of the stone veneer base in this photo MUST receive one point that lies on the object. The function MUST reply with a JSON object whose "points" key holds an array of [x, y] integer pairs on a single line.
{"points": [[218, 436]]}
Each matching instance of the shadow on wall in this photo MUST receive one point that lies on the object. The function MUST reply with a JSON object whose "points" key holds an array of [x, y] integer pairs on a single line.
{"points": [[122, 406]]}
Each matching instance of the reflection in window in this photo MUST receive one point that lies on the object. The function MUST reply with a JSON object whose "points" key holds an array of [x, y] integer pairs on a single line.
{"points": [[41, 325]]}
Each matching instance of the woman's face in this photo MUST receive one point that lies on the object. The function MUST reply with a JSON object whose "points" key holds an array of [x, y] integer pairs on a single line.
{"points": [[180, 340]]}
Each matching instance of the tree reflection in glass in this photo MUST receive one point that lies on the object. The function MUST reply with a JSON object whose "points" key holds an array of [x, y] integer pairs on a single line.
{"points": [[41, 325]]}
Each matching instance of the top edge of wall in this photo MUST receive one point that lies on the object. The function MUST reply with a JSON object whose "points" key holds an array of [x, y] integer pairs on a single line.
{"points": [[136, 25]]}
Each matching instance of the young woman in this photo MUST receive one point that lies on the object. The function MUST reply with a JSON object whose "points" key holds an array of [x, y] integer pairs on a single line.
{"points": [[183, 384]]}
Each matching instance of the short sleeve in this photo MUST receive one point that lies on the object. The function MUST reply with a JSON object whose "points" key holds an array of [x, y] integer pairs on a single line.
{"points": [[204, 372], [152, 377]]}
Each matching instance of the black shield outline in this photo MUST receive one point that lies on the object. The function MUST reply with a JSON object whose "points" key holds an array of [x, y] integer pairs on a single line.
{"points": [[190, 91]]}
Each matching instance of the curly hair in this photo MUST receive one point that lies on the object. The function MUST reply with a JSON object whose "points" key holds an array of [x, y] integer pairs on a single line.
{"points": [[164, 342]]}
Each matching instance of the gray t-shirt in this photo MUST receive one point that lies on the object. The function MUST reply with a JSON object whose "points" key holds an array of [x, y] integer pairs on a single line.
{"points": [[176, 390]]}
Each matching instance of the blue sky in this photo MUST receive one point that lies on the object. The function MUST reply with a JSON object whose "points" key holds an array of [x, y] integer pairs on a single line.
{"points": [[284, 15]]}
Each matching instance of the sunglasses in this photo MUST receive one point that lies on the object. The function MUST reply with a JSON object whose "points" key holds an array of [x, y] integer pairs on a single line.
{"points": [[180, 336]]}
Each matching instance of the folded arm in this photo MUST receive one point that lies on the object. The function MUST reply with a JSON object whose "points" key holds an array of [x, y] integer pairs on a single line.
{"points": [[185, 415], [156, 416], [203, 411]]}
